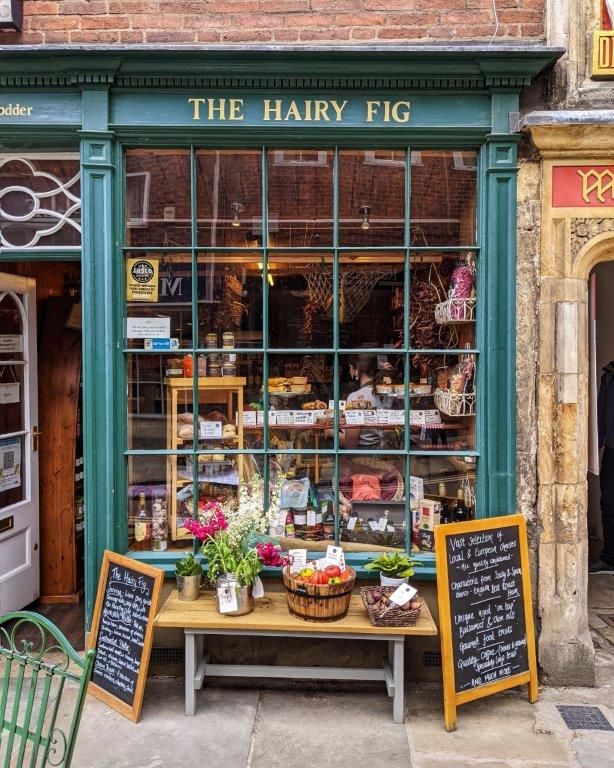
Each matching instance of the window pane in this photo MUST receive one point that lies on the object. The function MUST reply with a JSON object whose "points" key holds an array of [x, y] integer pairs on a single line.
{"points": [[229, 198], [443, 199], [149, 505], [372, 402], [229, 400], [230, 300], [371, 290], [443, 303], [372, 501], [301, 301], [301, 501], [158, 301], [372, 197], [157, 197], [40, 201], [442, 489], [443, 402], [300, 188], [300, 391]]}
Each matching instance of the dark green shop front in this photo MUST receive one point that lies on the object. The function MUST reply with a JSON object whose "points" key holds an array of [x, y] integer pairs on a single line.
{"points": [[298, 278]]}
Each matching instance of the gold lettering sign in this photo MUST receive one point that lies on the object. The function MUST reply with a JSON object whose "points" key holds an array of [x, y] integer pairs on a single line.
{"points": [[300, 110], [15, 110], [598, 182]]}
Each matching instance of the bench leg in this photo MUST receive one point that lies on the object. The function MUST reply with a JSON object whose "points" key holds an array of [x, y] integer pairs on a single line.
{"points": [[190, 672], [398, 701]]}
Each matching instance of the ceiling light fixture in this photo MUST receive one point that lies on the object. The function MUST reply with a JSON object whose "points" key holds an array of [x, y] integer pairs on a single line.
{"points": [[237, 210], [365, 211]]}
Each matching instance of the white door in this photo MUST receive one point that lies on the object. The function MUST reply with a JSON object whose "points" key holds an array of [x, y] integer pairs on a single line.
{"points": [[19, 542]]}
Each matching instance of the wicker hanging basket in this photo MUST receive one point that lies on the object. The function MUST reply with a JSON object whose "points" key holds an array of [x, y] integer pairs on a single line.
{"points": [[318, 602]]}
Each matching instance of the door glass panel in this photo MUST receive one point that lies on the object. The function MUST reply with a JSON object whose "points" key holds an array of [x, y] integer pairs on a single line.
{"points": [[11, 328], [12, 470]]}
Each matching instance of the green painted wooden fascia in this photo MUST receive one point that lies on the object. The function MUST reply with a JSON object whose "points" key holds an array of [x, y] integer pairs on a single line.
{"points": [[349, 67]]}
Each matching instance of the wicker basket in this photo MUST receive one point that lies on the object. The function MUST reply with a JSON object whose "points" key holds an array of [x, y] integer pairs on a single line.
{"points": [[396, 616], [318, 602], [378, 466]]}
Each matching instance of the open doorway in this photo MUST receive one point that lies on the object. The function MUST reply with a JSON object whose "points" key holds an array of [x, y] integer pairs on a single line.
{"points": [[41, 497], [601, 473]]}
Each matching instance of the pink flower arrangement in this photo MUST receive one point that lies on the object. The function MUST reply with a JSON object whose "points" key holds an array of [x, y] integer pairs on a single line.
{"points": [[269, 555], [210, 521]]}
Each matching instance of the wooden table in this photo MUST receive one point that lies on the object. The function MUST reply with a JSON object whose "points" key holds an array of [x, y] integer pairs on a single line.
{"points": [[271, 618]]}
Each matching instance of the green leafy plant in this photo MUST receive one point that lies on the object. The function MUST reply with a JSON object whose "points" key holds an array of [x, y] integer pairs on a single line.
{"points": [[188, 566], [395, 565], [225, 557]]}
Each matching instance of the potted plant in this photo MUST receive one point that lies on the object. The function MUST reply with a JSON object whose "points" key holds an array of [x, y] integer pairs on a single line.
{"points": [[394, 568], [231, 562], [188, 572]]}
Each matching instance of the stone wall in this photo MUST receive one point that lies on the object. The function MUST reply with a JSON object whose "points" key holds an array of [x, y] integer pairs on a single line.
{"points": [[283, 21]]}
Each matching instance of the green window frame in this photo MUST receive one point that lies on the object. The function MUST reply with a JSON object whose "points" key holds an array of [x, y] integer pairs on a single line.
{"points": [[371, 140]]}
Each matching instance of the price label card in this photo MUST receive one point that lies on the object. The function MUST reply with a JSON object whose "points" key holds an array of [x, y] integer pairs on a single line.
{"points": [[227, 597], [383, 416], [285, 418], [210, 430], [354, 418], [336, 556], [272, 418], [397, 417], [249, 418], [382, 523], [370, 418], [258, 588], [352, 523], [304, 418], [417, 418], [432, 417], [323, 563], [319, 414], [298, 559], [260, 418], [311, 517], [373, 525], [402, 594]]}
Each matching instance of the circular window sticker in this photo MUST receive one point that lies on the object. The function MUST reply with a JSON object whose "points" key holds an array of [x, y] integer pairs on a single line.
{"points": [[142, 272]]}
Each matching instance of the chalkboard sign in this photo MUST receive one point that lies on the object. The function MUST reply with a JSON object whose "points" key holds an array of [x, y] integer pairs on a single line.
{"points": [[484, 593], [122, 631]]}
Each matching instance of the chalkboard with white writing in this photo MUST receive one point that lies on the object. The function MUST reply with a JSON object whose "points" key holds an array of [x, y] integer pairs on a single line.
{"points": [[121, 631], [485, 609], [489, 635]]}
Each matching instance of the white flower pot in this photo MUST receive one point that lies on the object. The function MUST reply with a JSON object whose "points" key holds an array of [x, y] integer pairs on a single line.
{"points": [[387, 581]]}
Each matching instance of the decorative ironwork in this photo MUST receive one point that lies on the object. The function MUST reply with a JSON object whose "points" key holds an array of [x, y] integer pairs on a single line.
{"points": [[51, 220], [36, 661]]}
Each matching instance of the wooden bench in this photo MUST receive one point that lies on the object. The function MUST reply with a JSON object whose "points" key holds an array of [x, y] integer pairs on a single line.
{"points": [[271, 618]]}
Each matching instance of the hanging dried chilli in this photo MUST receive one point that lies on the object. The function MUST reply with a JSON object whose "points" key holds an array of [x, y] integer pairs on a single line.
{"points": [[231, 308]]}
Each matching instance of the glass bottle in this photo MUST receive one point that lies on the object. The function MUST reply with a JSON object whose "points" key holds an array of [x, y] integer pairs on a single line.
{"points": [[142, 527], [460, 511]]}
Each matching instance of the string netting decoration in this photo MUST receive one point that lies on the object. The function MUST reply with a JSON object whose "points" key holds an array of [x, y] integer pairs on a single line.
{"points": [[355, 288]]}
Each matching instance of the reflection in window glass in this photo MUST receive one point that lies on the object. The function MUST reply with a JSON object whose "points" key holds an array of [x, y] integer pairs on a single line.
{"points": [[443, 202], [372, 198], [157, 197], [300, 198], [229, 198]]}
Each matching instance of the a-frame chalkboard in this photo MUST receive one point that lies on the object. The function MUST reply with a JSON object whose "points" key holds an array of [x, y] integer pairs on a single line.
{"points": [[485, 613], [122, 631]]}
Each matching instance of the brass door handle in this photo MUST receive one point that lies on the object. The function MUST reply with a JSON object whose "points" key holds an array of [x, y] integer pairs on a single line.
{"points": [[36, 433]]}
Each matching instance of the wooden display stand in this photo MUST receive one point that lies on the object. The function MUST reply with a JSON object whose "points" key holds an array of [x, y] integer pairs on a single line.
{"points": [[224, 390]]}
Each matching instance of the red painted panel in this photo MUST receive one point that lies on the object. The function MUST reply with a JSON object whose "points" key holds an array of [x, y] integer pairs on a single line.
{"points": [[605, 19], [583, 186]]}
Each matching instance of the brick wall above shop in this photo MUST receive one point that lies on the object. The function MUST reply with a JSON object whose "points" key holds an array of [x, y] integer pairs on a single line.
{"points": [[284, 21]]}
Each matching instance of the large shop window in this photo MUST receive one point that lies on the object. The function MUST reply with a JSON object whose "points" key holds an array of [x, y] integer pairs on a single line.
{"points": [[301, 340]]}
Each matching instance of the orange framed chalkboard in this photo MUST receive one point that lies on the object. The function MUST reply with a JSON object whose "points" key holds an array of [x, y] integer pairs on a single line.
{"points": [[122, 632], [485, 612]]}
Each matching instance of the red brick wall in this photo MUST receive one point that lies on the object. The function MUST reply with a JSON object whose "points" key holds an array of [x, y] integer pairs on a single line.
{"points": [[284, 21]]}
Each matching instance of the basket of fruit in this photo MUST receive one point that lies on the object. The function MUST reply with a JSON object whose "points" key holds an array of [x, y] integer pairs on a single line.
{"points": [[382, 612], [319, 595]]}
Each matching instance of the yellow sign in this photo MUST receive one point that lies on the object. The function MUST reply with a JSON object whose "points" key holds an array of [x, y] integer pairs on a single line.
{"points": [[603, 53], [141, 280]]}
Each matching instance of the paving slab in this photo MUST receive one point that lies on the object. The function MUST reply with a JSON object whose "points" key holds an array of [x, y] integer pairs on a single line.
{"points": [[594, 749], [344, 730], [218, 735], [495, 728]]}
